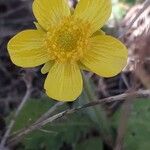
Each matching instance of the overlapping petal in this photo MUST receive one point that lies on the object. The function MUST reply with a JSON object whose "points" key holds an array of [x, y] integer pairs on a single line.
{"points": [[27, 49], [50, 12], [106, 57], [64, 82], [98, 32], [96, 12], [47, 66]]}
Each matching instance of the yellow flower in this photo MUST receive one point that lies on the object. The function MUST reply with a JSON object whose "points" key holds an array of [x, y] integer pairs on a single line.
{"points": [[68, 42]]}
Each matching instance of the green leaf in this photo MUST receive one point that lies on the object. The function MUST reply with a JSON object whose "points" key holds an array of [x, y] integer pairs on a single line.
{"points": [[53, 136], [32, 110], [96, 113], [90, 144], [138, 130]]}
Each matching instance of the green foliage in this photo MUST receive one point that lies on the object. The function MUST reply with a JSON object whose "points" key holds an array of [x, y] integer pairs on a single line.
{"points": [[67, 131], [129, 1], [118, 12], [31, 111], [76, 131], [138, 134], [90, 144], [119, 8], [138, 130], [96, 113]]}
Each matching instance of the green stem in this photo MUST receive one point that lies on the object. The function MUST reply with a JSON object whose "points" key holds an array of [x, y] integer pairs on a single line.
{"points": [[98, 114]]}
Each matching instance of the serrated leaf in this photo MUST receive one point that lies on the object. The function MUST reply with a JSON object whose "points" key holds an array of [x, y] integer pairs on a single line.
{"points": [[53, 135]]}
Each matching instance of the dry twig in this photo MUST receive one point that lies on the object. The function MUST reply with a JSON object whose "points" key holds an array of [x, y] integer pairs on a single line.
{"points": [[17, 137], [146, 5], [49, 112]]}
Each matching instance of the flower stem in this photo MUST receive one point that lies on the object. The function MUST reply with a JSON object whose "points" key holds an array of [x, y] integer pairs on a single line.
{"points": [[97, 113]]}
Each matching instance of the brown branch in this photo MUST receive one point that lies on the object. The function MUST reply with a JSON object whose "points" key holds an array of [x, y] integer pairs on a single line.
{"points": [[17, 137], [146, 5], [49, 112]]}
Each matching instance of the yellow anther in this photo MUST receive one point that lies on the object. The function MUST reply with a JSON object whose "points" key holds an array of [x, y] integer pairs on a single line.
{"points": [[67, 41], [62, 53], [75, 27], [54, 46]]}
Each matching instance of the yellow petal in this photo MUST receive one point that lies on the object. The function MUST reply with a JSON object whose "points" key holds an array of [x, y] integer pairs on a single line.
{"points": [[96, 12], [26, 49], [64, 82], [106, 57], [83, 67], [46, 68], [98, 32], [50, 12], [38, 26]]}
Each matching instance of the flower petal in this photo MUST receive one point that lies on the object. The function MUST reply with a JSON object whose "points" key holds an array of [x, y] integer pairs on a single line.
{"points": [[98, 32], [46, 68], [106, 57], [64, 82], [96, 12], [81, 65], [26, 48], [50, 12], [38, 27]]}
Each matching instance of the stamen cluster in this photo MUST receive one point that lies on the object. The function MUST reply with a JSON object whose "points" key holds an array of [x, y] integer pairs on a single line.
{"points": [[68, 41]]}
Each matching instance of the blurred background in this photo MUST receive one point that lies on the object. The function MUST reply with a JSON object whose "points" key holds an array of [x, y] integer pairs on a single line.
{"points": [[99, 127]]}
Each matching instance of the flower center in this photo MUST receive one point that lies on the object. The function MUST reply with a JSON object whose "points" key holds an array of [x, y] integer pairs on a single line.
{"points": [[68, 41]]}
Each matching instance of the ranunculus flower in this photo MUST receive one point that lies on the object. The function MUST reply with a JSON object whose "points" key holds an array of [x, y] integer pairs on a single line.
{"points": [[68, 42]]}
